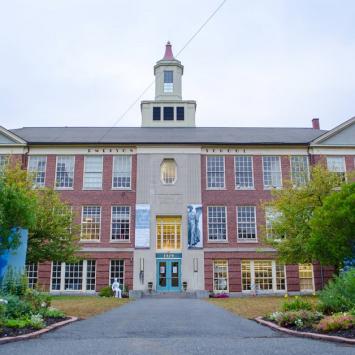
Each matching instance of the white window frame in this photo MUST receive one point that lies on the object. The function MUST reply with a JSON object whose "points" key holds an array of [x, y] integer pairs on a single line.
{"points": [[343, 163], [162, 173], [35, 184], [56, 172], [271, 214], [299, 278], [32, 268], [177, 240], [84, 172], [267, 187], [307, 173], [4, 161], [252, 173], [114, 172], [247, 240], [109, 272], [83, 283], [208, 234], [227, 277], [224, 173], [81, 225], [129, 225], [252, 278]]}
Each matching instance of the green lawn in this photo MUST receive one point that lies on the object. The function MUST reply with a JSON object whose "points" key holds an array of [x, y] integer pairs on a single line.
{"points": [[86, 306], [251, 307]]}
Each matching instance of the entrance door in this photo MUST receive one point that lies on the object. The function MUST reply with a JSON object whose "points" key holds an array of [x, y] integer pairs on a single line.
{"points": [[168, 275]]}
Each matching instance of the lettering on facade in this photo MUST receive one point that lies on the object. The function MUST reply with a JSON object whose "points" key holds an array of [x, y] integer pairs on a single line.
{"points": [[110, 150]]}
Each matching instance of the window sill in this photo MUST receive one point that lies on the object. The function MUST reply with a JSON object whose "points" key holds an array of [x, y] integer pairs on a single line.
{"points": [[64, 188], [244, 241], [217, 241], [215, 188], [121, 188], [272, 188], [245, 189], [92, 189], [120, 241], [89, 241]]}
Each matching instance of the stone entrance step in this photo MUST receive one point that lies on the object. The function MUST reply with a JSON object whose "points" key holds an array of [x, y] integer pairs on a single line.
{"points": [[169, 295]]}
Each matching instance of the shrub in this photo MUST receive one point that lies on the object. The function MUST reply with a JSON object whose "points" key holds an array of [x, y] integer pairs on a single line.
{"points": [[3, 305], [52, 313], [36, 321], [14, 283], [37, 300], [336, 322], [17, 323], [296, 304], [339, 294], [106, 292], [300, 319], [16, 308]]}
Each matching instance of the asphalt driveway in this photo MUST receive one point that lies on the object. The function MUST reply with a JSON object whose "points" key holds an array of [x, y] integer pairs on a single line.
{"points": [[169, 326]]}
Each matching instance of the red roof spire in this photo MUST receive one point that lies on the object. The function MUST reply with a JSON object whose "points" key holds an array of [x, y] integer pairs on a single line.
{"points": [[168, 52]]}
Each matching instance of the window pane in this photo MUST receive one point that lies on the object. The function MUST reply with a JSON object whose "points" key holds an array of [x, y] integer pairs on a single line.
{"points": [[168, 233], [272, 172], [246, 222], [280, 277], [120, 223], [263, 275], [65, 171], [220, 275], [32, 274], [156, 113], [56, 275], [37, 168], [90, 223], [3, 161], [168, 76], [299, 170], [168, 113], [117, 271], [73, 276], [217, 226], [90, 275], [246, 275], [271, 215], [337, 165], [244, 172], [168, 171], [122, 167], [180, 113], [305, 272], [93, 172], [215, 171]]}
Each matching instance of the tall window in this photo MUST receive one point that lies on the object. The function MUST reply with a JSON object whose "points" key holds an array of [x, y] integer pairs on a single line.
{"points": [[37, 168], [168, 113], [180, 113], [337, 166], [93, 172], [220, 276], [168, 81], [217, 223], [215, 171], [271, 215], [305, 272], [120, 223], [32, 274], [244, 172], [263, 276], [80, 276], [90, 223], [272, 172], [65, 171], [168, 171], [156, 113], [168, 233], [299, 170], [3, 161], [117, 271], [246, 223], [121, 172]]}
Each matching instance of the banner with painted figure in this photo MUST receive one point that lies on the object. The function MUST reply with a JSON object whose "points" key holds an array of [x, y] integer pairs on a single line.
{"points": [[142, 230], [194, 233]]}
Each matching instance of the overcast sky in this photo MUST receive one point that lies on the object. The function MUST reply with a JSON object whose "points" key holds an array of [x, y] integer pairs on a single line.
{"points": [[256, 63]]}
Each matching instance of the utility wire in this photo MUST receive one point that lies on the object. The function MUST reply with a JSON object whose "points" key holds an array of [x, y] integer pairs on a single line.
{"points": [[209, 18]]}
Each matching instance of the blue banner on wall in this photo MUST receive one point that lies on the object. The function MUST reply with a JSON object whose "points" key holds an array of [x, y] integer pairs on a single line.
{"points": [[142, 230], [194, 232], [16, 259]]}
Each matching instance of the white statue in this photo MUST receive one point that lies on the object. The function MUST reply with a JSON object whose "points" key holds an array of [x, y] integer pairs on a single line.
{"points": [[116, 288]]}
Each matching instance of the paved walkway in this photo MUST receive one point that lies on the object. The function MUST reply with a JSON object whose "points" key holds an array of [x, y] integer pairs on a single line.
{"points": [[169, 326]]}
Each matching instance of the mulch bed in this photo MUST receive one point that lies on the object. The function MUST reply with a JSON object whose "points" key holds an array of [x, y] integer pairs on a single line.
{"points": [[13, 332], [348, 333]]}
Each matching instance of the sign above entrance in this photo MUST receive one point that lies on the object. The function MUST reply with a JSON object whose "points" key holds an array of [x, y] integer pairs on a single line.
{"points": [[168, 255]]}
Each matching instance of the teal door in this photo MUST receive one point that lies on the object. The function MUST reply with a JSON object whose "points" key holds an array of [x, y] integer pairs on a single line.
{"points": [[168, 275]]}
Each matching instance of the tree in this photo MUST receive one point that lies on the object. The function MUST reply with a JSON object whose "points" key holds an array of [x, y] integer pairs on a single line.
{"points": [[292, 229], [54, 236], [332, 238], [18, 205]]}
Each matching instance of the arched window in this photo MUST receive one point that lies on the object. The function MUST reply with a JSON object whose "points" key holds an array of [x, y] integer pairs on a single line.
{"points": [[168, 171]]}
